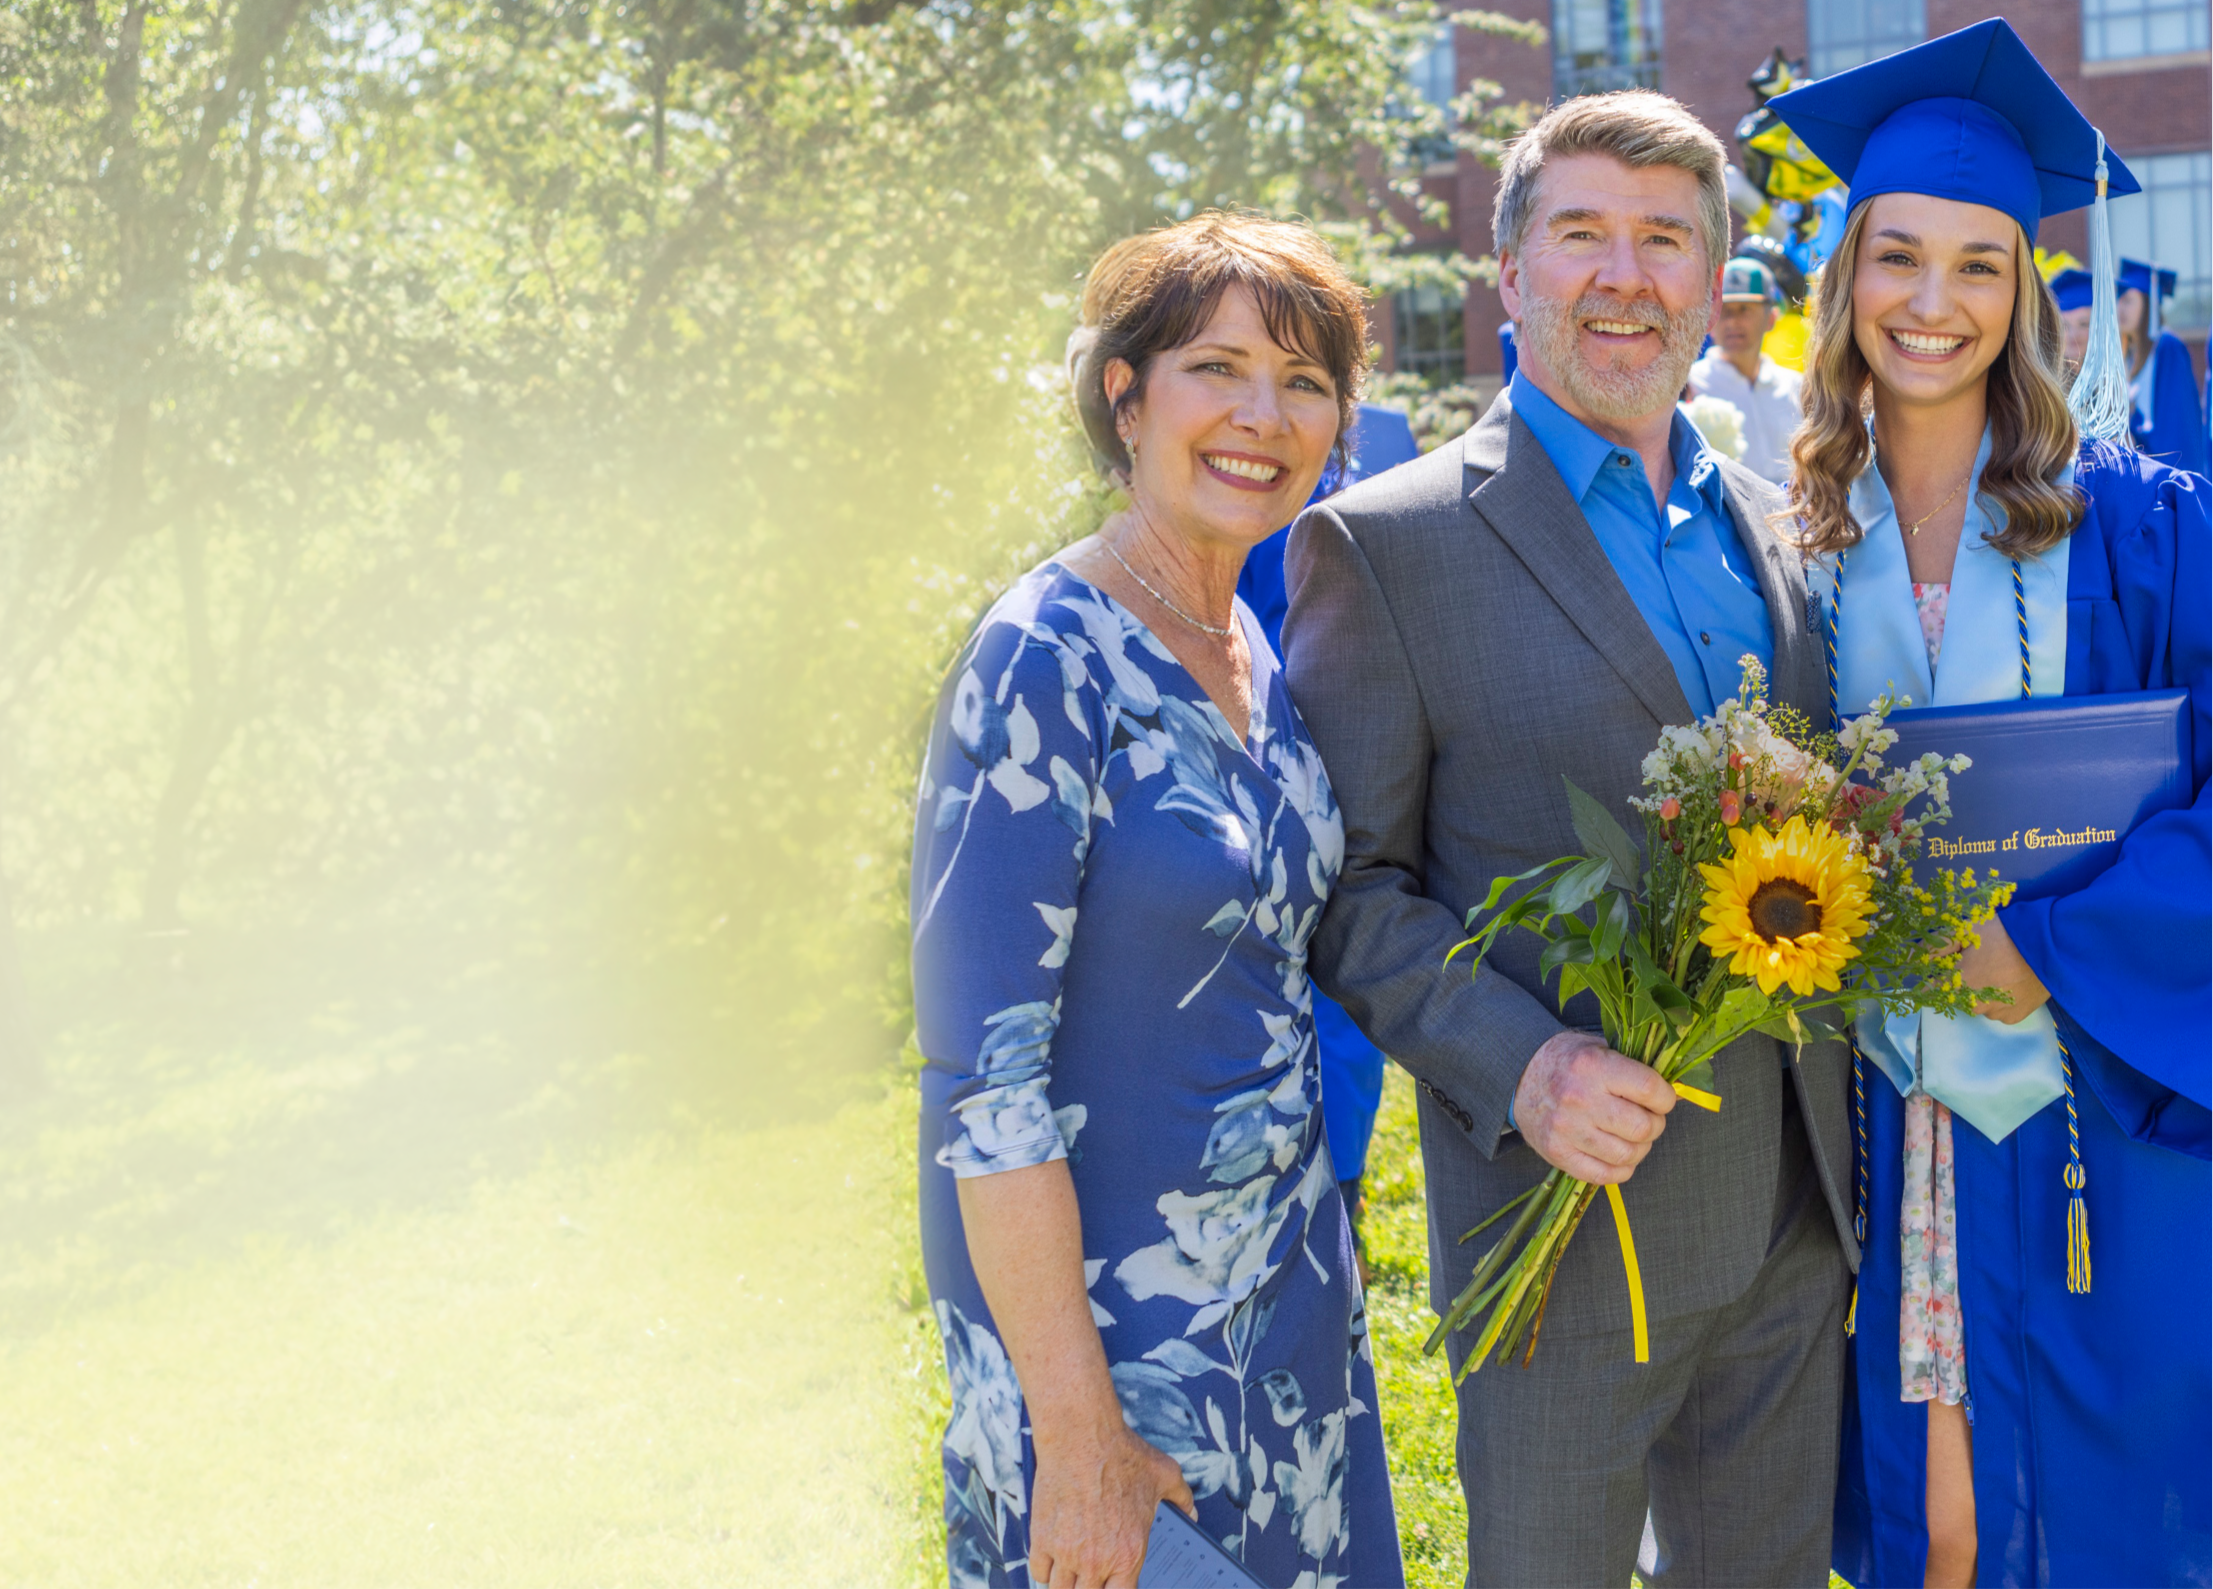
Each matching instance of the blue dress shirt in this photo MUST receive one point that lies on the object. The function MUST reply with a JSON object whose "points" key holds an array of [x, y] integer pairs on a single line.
{"points": [[1684, 565]]}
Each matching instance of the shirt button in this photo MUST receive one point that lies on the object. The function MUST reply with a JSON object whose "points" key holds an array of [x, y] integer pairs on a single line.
{"points": [[1704, 638], [1620, 462]]}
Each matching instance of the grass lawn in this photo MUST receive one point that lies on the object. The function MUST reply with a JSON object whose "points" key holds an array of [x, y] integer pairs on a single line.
{"points": [[674, 1354]]}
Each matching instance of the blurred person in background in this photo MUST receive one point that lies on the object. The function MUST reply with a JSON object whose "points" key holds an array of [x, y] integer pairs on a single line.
{"points": [[2009, 1420], [2072, 292], [2165, 420], [1352, 1067], [1531, 601], [1737, 371], [1135, 1243]]}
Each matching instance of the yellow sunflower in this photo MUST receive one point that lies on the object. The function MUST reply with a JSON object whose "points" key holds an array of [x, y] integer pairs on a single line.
{"points": [[1788, 907]]}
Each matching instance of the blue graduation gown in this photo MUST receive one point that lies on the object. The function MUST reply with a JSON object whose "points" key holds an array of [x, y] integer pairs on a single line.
{"points": [[1352, 1067], [2177, 434], [2092, 1414]]}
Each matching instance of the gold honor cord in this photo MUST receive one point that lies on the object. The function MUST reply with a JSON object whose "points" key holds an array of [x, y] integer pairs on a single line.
{"points": [[1637, 1331]]}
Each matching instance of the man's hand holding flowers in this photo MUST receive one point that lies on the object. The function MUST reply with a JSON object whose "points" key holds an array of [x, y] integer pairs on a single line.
{"points": [[1590, 1111]]}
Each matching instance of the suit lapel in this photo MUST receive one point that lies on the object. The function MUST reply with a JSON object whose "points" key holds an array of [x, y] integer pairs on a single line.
{"points": [[1525, 502], [1797, 676]]}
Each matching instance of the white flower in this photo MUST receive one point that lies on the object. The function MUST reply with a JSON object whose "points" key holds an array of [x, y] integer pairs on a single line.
{"points": [[1061, 920], [1314, 1487], [1720, 421], [985, 1430], [1216, 1253]]}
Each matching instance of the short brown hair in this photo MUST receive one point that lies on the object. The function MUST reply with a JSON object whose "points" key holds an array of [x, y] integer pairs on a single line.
{"points": [[1156, 291], [1637, 127]]}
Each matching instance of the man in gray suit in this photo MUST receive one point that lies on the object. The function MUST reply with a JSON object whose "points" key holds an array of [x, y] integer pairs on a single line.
{"points": [[1532, 602]]}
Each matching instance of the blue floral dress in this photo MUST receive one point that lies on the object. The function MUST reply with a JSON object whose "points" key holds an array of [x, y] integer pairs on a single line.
{"points": [[1112, 901]]}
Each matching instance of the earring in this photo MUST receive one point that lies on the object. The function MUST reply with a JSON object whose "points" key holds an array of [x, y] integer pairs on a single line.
{"points": [[1130, 446]]}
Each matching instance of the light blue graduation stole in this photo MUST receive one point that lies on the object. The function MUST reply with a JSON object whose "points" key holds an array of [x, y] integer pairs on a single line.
{"points": [[2005, 636]]}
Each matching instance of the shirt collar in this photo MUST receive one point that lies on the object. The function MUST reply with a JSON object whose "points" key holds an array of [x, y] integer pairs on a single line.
{"points": [[1579, 452]]}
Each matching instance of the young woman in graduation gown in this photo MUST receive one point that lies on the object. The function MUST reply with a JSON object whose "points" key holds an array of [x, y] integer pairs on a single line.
{"points": [[2164, 419], [2003, 1426]]}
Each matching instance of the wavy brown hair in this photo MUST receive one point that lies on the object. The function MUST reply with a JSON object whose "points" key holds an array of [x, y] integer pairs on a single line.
{"points": [[2032, 435], [1156, 291]]}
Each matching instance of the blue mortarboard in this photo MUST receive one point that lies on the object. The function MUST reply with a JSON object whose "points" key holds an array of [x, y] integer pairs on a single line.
{"points": [[1971, 116], [2073, 288], [2137, 275]]}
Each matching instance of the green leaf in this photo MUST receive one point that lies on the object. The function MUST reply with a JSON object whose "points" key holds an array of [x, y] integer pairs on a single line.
{"points": [[1580, 884], [1565, 951], [1602, 835], [1612, 928], [1701, 1076], [1573, 980]]}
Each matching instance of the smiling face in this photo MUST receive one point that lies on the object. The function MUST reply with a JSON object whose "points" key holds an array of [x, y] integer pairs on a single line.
{"points": [[1610, 289], [1232, 431], [1933, 289]]}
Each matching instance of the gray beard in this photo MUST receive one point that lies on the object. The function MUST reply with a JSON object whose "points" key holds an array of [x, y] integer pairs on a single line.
{"points": [[1552, 328]]}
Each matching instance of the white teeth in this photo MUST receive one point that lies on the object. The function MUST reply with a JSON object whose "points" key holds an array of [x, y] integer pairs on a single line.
{"points": [[1244, 468], [1916, 342], [1617, 328]]}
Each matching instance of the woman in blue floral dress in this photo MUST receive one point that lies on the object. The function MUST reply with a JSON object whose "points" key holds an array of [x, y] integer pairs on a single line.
{"points": [[1136, 1250]]}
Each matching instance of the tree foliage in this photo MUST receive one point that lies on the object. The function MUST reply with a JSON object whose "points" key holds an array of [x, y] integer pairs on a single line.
{"points": [[523, 461]]}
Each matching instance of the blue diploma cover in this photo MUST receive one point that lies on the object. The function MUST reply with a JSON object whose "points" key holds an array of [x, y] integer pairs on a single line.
{"points": [[2056, 782], [1180, 1556]]}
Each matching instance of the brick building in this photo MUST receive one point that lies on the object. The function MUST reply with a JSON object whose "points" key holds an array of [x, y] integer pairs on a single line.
{"points": [[2138, 69]]}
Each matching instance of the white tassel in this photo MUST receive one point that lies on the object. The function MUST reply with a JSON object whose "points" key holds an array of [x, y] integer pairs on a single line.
{"points": [[2099, 399]]}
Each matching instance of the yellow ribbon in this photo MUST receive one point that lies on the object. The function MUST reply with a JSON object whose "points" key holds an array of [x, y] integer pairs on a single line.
{"points": [[1704, 1100], [1636, 1279]]}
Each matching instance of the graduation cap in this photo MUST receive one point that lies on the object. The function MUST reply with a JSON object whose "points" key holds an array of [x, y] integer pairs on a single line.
{"points": [[2073, 289], [1974, 117], [2139, 276]]}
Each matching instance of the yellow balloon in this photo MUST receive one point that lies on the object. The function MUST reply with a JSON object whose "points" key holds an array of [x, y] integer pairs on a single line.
{"points": [[1785, 341]]}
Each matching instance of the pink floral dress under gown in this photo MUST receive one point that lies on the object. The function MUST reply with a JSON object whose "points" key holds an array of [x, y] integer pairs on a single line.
{"points": [[1932, 1362]]}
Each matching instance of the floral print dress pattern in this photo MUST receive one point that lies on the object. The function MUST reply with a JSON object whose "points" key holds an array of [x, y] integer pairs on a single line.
{"points": [[1112, 900], [1932, 1351]]}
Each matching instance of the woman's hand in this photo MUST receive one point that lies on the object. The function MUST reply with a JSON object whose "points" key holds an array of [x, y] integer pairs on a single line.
{"points": [[1996, 963], [1093, 1510], [1097, 1482]]}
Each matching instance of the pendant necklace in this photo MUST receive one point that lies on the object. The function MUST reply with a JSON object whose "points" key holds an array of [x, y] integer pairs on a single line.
{"points": [[1915, 527], [1219, 633]]}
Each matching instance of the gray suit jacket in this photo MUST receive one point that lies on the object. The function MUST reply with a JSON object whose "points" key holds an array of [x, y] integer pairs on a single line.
{"points": [[1457, 643]]}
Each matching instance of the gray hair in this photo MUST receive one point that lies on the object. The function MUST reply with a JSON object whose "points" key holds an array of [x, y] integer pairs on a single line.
{"points": [[1637, 127]]}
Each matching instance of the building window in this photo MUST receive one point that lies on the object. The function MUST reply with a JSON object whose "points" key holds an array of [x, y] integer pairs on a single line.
{"points": [[1432, 332], [1846, 33], [2167, 224], [1434, 76], [2122, 30], [1600, 45]]}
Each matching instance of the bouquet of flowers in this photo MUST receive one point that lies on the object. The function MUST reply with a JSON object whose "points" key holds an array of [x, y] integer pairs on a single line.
{"points": [[1775, 891]]}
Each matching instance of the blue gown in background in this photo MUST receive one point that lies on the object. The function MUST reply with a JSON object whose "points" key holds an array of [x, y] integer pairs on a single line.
{"points": [[2092, 1414], [2176, 435], [1352, 1067], [1112, 900]]}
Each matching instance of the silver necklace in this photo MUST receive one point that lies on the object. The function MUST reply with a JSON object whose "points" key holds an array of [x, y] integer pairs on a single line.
{"points": [[1196, 623]]}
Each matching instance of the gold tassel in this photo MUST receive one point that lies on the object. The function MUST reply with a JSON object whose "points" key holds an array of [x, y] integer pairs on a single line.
{"points": [[2078, 1234], [2078, 1216], [1852, 1313]]}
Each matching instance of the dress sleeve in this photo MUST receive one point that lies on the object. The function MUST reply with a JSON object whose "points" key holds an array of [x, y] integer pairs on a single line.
{"points": [[2127, 956], [1008, 800], [2179, 436]]}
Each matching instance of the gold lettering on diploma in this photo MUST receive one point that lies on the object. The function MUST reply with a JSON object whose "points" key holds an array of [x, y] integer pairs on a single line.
{"points": [[1943, 849]]}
